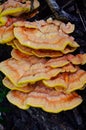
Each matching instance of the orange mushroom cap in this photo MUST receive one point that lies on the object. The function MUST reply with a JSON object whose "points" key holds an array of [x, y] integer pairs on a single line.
{"points": [[48, 99]]}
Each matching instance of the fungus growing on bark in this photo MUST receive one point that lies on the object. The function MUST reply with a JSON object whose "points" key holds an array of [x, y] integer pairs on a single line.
{"points": [[16, 8], [14, 68], [46, 36], [35, 80], [48, 99], [40, 52]]}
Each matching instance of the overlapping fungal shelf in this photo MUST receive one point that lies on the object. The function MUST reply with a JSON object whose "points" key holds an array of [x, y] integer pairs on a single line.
{"points": [[41, 71]]}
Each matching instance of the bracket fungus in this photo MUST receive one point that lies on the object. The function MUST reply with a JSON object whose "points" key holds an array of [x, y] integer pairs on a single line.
{"points": [[26, 89], [40, 72], [40, 52], [66, 59], [46, 36], [69, 81], [25, 73], [6, 34], [17, 7], [15, 68], [48, 99]]}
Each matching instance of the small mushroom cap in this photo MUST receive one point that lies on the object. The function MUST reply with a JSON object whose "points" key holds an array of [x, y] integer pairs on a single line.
{"points": [[48, 99]]}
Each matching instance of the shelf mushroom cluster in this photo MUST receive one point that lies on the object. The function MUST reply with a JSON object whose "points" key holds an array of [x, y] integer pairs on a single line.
{"points": [[41, 71], [14, 10]]}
